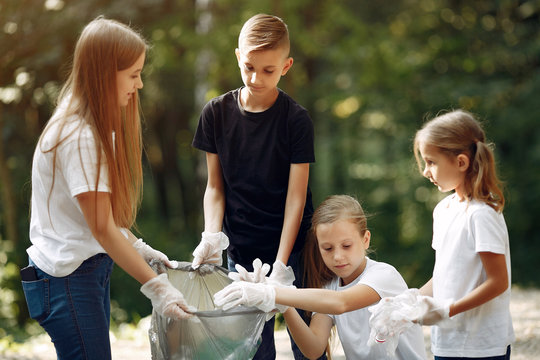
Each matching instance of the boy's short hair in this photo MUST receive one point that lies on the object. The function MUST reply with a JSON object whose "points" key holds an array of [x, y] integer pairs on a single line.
{"points": [[264, 32]]}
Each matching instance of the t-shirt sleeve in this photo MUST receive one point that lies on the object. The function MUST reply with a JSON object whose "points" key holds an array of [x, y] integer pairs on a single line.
{"points": [[204, 138], [302, 139], [489, 231], [385, 280], [79, 164]]}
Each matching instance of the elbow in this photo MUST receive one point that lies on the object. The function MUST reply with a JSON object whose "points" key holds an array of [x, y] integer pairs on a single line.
{"points": [[314, 354], [101, 232], [503, 285], [500, 283], [340, 307]]}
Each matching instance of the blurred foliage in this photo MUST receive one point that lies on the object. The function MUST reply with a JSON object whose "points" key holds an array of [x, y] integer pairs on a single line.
{"points": [[368, 72]]}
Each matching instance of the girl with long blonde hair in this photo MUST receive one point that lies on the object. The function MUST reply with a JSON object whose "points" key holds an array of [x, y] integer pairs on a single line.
{"points": [[346, 282], [86, 189]]}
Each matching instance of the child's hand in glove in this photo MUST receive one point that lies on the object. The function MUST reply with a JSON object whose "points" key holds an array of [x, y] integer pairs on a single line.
{"points": [[434, 312], [246, 293], [149, 254], [258, 275], [166, 299], [210, 249], [281, 275]]}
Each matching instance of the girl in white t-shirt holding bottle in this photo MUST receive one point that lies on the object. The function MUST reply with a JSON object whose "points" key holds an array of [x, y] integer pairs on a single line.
{"points": [[468, 297], [342, 282]]}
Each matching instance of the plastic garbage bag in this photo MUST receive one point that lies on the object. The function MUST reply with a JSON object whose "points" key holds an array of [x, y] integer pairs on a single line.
{"points": [[212, 333]]}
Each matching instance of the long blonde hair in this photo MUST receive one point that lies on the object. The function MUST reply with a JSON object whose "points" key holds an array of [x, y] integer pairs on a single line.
{"points": [[105, 47], [332, 209], [457, 132], [316, 273]]}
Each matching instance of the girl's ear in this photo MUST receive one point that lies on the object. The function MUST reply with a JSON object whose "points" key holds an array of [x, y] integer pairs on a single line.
{"points": [[463, 162], [367, 239]]}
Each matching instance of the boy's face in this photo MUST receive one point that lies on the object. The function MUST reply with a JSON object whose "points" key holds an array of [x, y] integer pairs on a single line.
{"points": [[262, 69]]}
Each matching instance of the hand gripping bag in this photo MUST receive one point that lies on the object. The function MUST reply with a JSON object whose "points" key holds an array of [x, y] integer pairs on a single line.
{"points": [[211, 334]]}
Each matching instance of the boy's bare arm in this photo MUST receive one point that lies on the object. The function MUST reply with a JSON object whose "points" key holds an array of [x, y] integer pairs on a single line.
{"points": [[214, 195], [294, 209]]}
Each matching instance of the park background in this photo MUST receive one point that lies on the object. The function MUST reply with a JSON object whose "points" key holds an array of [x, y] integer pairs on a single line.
{"points": [[369, 72]]}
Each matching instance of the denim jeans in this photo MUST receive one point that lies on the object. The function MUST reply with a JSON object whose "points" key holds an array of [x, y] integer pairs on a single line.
{"points": [[74, 309], [501, 357], [267, 348]]}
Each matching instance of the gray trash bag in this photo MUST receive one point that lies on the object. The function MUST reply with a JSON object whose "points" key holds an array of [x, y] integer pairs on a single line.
{"points": [[211, 334]]}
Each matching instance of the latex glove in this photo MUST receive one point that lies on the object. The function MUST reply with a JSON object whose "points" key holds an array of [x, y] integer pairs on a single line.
{"points": [[434, 310], [210, 248], [258, 275], [391, 316], [150, 254], [281, 275], [166, 299], [260, 295]]}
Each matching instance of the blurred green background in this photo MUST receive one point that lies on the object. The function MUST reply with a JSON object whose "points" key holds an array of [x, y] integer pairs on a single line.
{"points": [[369, 72]]}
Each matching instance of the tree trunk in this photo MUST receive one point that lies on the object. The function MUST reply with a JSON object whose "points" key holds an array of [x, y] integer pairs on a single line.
{"points": [[7, 194]]}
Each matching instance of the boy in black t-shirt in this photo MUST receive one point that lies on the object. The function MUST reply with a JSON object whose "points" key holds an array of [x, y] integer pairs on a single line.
{"points": [[259, 144]]}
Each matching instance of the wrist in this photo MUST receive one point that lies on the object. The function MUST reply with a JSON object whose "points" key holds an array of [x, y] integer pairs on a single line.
{"points": [[452, 310], [139, 244]]}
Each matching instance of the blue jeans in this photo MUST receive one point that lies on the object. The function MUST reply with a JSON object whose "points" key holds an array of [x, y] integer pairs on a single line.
{"points": [[267, 348], [74, 309], [501, 357]]}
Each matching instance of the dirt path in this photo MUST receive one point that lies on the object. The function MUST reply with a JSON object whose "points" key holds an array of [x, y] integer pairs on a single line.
{"points": [[131, 343]]}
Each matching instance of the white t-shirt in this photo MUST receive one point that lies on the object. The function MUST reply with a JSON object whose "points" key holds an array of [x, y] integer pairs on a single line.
{"points": [[460, 231], [353, 327], [61, 239]]}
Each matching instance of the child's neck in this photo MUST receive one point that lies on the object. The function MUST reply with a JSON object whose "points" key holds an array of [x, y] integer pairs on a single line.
{"points": [[256, 104]]}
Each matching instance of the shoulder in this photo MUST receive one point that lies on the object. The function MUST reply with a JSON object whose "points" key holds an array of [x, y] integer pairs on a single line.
{"points": [[66, 131], [480, 207], [383, 278], [480, 212], [291, 104], [382, 269], [297, 117], [221, 104], [443, 203], [228, 97]]}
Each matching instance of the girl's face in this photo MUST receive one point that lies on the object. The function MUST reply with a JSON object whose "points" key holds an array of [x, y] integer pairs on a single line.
{"points": [[343, 249], [445, 171], [129, 80]]}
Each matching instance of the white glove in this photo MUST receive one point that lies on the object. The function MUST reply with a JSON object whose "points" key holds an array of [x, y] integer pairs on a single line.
{"points": [[150, 254], [281, 275], [434, 310], [246, 293], [210, 248], [391, 316], [257, 276], [166, 299]]}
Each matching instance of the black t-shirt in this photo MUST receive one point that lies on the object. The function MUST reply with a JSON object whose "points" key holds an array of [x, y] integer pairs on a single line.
{"points": [[255, 151]]}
